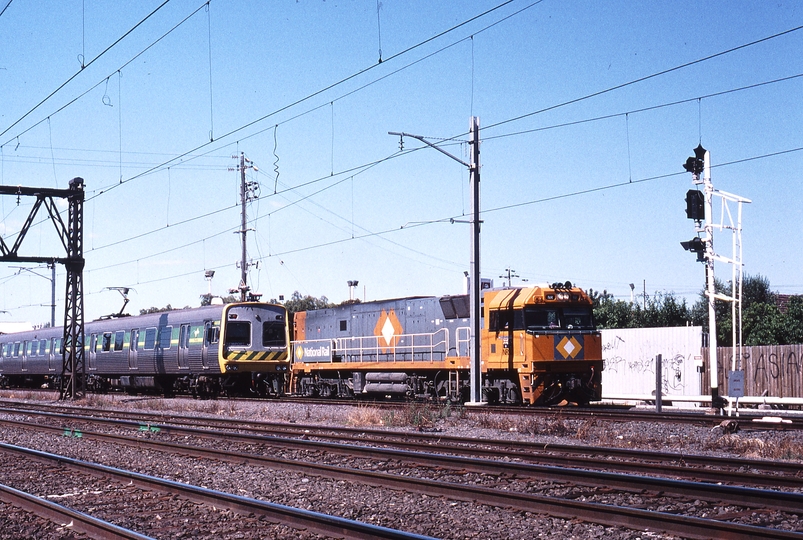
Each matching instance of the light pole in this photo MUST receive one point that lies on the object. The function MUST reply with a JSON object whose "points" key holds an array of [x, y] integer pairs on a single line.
{"points": [[475, 351], [52, 279], [352, 285]]}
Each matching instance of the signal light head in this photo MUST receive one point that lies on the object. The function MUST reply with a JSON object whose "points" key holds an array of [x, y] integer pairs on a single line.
{"points": [[695, 245], [695, 205], [696, 164]]}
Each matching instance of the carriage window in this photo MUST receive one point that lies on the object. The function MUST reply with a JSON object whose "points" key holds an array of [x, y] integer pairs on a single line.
{"points": [[212, 333], [17, 348], [107, 342], [273, 334], [119, 338], [238, 334], [184, 336], [150, 339], [165, 336], [56, 346], [31, 350], [42, 347]]}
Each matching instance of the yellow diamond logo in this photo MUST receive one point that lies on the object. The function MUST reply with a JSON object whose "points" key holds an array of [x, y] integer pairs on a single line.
{"points": [[569, 347]]}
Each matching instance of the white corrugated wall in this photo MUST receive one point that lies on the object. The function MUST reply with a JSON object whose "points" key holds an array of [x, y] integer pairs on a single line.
{"points": [[629, 356]]}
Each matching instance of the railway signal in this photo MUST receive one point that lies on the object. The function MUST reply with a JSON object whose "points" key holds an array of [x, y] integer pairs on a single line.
{"points": [[696, 163], [695, 205], [695, 245]]}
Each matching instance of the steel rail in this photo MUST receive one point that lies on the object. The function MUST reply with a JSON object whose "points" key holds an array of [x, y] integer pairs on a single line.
{"points": [[295, 517], [58, 514], [780, 500], [687, 526], [749, 421], [646, 462]]}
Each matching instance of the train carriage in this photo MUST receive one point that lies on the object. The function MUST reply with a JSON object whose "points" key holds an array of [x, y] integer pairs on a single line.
{"points": [[539, 346], [234, 348]]}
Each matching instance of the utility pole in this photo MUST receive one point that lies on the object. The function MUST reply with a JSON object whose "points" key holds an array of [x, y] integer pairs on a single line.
{"points": [[510, 275], [475, 349], [248, 192], [475, 371], [243, 231]]}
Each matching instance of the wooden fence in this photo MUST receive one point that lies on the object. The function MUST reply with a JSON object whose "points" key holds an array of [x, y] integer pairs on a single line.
{"points": [[774, 369]]}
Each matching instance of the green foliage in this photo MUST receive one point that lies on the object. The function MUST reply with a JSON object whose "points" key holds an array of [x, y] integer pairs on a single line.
{"points": [[206, 299], [305, 303], [154, 309], [661, 309], [762, 321]]}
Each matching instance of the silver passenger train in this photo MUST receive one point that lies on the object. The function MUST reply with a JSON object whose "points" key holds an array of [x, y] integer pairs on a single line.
{"points": [[234, 349]]}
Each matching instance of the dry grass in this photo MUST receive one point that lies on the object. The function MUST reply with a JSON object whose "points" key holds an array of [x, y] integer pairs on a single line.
{"points": [[419, 415], [528, 425], [364, 415], [757, 448]]}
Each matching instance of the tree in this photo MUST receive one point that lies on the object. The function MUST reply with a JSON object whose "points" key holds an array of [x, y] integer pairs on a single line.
{"points": [[206, 299], [662, 309], [154, 309], [762, 321], [609, 312], [305, 303]]}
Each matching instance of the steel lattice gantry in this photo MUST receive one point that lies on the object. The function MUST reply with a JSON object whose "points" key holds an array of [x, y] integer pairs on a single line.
{"points": [[73, 373]]}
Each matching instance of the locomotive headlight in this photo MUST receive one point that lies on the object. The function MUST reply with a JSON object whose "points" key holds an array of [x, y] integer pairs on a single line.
{"points": [[563, 296]]}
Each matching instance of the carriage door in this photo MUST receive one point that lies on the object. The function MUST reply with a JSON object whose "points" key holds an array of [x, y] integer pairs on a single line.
{"points": [[133, 348], [184, 347], [93, 349]]}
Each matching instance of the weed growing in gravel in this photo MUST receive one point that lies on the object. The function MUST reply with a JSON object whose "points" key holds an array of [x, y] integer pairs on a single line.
{"points": [[553, 425], [417, 414], [98, 401], [758, 448], [363, 415]]}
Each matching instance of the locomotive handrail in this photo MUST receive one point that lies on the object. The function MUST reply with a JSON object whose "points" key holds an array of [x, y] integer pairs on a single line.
{"points": [[402, 347]]}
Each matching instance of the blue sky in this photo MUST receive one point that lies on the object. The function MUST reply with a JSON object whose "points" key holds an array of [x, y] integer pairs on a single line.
{"points": [[587, 112]]}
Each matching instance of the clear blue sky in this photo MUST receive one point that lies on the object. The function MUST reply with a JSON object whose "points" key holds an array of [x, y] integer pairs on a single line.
{"points": [[593, 161]]}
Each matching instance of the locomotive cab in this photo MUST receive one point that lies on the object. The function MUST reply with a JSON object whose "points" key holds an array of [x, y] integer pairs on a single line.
{"points": [[547, 336]]}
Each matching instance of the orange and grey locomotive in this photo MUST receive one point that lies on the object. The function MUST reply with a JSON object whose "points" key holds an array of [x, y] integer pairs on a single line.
{"points": [[236, 348], [539, 346]]}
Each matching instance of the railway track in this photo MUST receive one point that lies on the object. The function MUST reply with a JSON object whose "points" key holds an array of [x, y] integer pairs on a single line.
{"points": [[587, 484], [296, 518], [734, 471], [749, 419]]}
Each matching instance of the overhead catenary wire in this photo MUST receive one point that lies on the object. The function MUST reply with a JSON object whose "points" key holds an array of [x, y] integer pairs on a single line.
{"points": [[316, 93], [83, 66], [366, 166], [389, 231], [489, 138]]}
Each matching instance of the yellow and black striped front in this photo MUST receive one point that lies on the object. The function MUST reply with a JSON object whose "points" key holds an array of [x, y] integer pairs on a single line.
{"points": [[254, 338]]}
